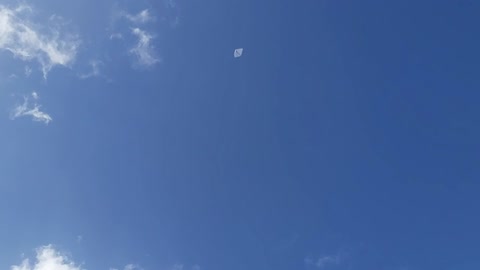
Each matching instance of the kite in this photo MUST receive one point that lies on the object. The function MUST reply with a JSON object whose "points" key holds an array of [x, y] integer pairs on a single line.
{"points": [[238, 52]]}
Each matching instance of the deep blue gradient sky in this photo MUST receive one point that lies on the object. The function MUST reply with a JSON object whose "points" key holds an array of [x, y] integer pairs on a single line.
{"points": [[348, 131]]}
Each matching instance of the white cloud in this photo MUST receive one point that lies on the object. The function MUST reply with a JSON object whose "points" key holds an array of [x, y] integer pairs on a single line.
{"points": [[171, 3], [132, 267], [95, 72], [116, 36], [28, 71], [326, 260], [47, 258], [144, 50], [25, 41], [142, 17], [129, 267], [173, 11], [177, 266], [180, 266], [33, 111], [175, 21], [323, 262]]}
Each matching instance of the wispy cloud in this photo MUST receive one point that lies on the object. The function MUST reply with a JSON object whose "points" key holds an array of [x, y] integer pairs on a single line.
{"points": [[116, 36], [177, 266], [47, 258], [95, 70], [31, 110], [173, 12], [28, 71], [25, 41], [132, 267], [171, 3], [142, 17], [180, 266], [129, 267], [323, 262], [144, 50]]}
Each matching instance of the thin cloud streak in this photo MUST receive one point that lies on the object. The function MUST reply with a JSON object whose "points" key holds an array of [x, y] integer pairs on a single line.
{"points": [[323, 262]]}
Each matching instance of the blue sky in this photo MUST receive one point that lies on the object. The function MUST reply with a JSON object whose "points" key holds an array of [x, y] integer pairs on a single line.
{"points": [[344, 138]]}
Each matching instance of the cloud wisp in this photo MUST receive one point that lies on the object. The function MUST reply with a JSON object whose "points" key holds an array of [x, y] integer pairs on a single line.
{"points": [[31, 110], [140, 18], [95, 70], [129, 267], [173, 12], [323, 262], [132, 267], [27, 42], [144, 50], [116, 36], [28, 71]]}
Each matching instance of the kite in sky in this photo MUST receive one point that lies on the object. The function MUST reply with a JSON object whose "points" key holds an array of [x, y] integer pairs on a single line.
{"points": [[238, 52]]}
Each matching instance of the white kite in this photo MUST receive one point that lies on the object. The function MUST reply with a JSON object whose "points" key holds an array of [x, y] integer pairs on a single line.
{"points": [[238, 52]]}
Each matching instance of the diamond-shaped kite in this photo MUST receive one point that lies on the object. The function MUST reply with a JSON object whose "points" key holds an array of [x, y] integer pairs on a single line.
{"points": [[238, 52]]}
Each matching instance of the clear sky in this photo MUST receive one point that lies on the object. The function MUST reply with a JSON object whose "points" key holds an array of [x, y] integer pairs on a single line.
{"points": [[345, 137]]}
